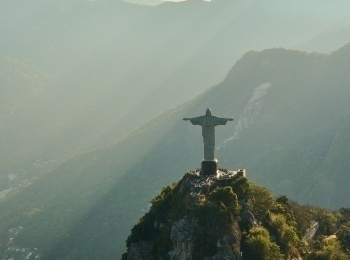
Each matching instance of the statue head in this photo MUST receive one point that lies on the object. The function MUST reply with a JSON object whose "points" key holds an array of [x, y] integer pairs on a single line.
{"points": [[208, 112]]}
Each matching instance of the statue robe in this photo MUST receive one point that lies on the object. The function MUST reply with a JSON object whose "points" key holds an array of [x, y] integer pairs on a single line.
{"points": [[208, 124]]}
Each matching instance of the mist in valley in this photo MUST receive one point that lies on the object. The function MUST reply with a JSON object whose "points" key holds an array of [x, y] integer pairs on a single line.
{"points": [[93, 93]]}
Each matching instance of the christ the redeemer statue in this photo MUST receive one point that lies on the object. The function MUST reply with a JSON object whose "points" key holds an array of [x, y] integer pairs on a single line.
{"points": [[208, 123]]}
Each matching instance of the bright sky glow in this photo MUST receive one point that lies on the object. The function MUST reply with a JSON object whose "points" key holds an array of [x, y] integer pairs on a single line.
{"points": [[181, 0], [173, 0]]}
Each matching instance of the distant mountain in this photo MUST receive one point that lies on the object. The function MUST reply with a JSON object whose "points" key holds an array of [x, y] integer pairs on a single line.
{"points": [[327, 41], [291, 112], [75, 75]]}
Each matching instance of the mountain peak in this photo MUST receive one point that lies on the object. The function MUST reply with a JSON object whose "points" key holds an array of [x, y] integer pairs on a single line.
{"points": [[227, 217], [173, 226]]}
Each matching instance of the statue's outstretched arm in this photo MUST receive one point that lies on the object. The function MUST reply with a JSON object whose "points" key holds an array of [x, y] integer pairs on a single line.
{"points": [[222, 121], [194, 120]]}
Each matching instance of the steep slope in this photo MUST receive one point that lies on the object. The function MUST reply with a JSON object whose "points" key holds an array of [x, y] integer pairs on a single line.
{"points": [[76, 74], [331, 181], [224, 216], [290, 109]]}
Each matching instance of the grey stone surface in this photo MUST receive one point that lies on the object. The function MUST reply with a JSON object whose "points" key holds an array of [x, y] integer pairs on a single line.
{"points": [[241, 173], [311, 231], [224, 251], [182, 236], [247, 218], [208, 123], [140, 250]]}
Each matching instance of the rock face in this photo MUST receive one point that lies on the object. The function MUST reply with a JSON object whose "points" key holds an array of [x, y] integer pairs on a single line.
{"points": [[139, 250], [182, 236], [311, 231], [247, 218], [192, 214], [224, 251]]}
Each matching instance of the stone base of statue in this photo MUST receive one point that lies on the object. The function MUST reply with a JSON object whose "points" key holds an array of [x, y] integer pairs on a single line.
{"points": [[209, 167]]}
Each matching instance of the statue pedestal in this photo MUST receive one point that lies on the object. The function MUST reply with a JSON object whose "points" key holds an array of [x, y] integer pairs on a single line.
{"points": [[209, 167]]}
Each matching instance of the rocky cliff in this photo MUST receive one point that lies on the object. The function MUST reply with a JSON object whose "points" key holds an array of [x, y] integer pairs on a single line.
{"points": [[227, 217]]}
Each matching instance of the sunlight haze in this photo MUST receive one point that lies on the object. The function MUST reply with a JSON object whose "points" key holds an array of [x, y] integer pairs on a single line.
{"points": [[93, 93]]}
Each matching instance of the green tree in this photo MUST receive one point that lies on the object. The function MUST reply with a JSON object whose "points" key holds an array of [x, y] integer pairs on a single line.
{"points": [[260, 247], [286, 236], [226, 196], [331, 250], [242, 187], [261, 202]]}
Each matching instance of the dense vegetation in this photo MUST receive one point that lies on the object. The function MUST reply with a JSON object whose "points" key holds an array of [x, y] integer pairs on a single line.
{"points": [[279, 231]]}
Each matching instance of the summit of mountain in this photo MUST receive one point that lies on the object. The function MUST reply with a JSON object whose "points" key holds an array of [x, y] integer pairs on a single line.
{"points": [[225, 216]]}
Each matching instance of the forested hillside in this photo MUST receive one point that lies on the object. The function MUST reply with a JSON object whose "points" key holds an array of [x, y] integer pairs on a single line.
{"points": [[225, 216], [291, 112]]}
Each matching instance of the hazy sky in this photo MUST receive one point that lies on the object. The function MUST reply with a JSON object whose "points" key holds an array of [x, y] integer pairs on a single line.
{"points": [[151, 2]]}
